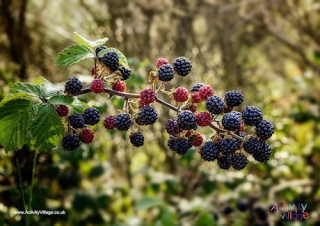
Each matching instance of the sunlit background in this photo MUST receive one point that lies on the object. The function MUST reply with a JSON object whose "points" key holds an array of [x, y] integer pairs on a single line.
{"points": [[268, 49]]}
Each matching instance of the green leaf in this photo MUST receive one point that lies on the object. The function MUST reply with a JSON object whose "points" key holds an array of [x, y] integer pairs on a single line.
{"points": [[47, 130], [92, 45], [61, 99], [122, 59], [167, 217], [78, 106], [15, 121], [148, 202], [205, 219], [49, 89], [27, 88], [73, 54]]}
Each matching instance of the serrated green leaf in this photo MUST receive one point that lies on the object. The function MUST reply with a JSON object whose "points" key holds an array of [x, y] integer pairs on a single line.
{"points": [[91, 44], [15, 121], [122, 59], [78, 106], [47, 130], [61, 99], [49, 89], [28, 88], [148, 202], [73, 54]]}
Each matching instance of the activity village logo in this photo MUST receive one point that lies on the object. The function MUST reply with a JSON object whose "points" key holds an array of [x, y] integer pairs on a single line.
{"points": [[288, 211]]}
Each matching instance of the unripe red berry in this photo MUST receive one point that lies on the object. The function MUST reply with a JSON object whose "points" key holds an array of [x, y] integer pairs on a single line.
{"points": [[203, 118], [147, 96], [241, 128], [97, 86], [192, 108], [87, 135], [108, 122], [197, 140], [180, 94], [62, 110], [227, 109], [119, 86], [205, 92], [196, 98], [161, 61]]}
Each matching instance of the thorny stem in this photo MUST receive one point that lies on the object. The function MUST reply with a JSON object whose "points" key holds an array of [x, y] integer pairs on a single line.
{"points": [[134, 95], [20, 179], [31, 186]]}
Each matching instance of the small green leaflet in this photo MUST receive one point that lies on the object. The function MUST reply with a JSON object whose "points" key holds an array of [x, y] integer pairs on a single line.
{"points": [[148, 202], [90, 44], [123, 60], [60, 99], [21, 90], [73, 54], [47, 130], [15, 121]]}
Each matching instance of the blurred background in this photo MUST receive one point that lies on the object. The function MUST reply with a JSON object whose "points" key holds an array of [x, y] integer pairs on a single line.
{"points": [[269, 49]]}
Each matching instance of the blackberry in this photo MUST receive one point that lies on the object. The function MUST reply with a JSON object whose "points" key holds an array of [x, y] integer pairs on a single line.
{"points": [[171, 142], [99, 49], [203, 118], [227, 210], [123, 122], [252, 115], [262, 154], [125, 73], [182, 66], [97, 86], [195, 97], [242, 206], [76, 120], [224, 162], [238, 161], [147, 116], [70, 142], [165, 72], [119, 86], [161, 61], [260, 213], [231, 121], [209, 151], [137, 139], [196, 87], [240, 134], [229, 145], [91, 116], [187, 120], [147, 96], [109, 122], [180, 94], [196, 140], [73, 85], [264, 129], [214, 105], [172, 127], [181, 145], [233, 98], [252, 145], [205, 92], [87, 135], [111, 60], [62, 110]]}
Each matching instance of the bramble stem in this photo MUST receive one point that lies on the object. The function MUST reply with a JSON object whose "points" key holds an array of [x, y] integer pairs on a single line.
{"points": [[31, 186], [20, 179]]}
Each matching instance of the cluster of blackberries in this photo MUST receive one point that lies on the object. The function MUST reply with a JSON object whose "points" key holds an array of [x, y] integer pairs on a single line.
{"points": [[181, 66], [77, 130]]}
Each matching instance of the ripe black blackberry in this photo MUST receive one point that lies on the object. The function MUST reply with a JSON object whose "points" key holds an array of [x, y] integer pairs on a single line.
{"points": [[99, 49], [214, 105], [264, 129], [196, 87], [263, 154], [111, 60], [229, 145], [209, 151], [224, 162], [70, 142], [242, 206], [240, 134], [147, 116], [76, 120], [171, 142], [165, 73], [73, 85], [172, 127], [251, 145], [125, 73], [252, 115], [181, 145], [187, 120], [123, 122], [238, 161], [260, 213], [91, 116], [231, 121], [182, 66], [137, 139], [233, 98]]}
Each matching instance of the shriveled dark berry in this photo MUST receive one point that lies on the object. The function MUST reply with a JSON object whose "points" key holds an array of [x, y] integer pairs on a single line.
{"points": [[252, 115], [73, 85], [123, 122], [91, 116], [137, 139], [214, 105], [209, 151], [70, 142], [187, 120]]}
